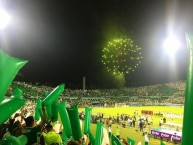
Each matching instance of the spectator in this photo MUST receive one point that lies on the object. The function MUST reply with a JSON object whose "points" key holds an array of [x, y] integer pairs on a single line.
{"points": [[164, 120], [110, 130], [17, 131], [141, 126], [117, 132], [31, 131], [133, 121], [146, 138], [160, 122], [125, 142], [51, 136], [86, 142], [72, 142]]}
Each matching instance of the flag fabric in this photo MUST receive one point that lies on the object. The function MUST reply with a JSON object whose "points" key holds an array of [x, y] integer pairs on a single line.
{"points": [[161, 143], [91, 138], [131, 141], [115, 140], [99, 134], [188, 107]]}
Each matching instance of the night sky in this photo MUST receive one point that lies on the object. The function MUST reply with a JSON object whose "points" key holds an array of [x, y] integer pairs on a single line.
{"points": [[63, 39]]}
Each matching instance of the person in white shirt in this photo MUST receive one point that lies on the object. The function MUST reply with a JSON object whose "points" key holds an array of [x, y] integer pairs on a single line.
{"points": [[146, 138], [105, 140], [110, 130]]}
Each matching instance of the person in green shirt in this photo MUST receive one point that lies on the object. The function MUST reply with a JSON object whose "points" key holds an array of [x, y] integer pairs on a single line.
{"points": [[117, 132]]}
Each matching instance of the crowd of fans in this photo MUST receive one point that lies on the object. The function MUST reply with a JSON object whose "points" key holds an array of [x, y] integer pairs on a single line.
{"points": [[43, 132], [161, 94], [125, 101], [168, 89]]}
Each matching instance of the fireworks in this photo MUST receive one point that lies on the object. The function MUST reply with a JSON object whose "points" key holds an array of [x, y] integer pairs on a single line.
{"points": [[121, 56]]}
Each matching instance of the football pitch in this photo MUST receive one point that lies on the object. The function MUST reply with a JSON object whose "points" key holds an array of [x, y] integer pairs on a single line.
{"points": [[170, 113]]}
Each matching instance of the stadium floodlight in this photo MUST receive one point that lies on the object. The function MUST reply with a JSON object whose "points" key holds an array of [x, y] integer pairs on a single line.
{"points": [[4, 18], [171, 44]]}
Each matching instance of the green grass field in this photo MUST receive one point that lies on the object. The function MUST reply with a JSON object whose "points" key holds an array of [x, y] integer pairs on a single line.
{"points": [[131, 132]]}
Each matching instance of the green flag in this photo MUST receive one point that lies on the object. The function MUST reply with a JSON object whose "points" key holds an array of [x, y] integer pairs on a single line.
{"points": [[91, 138], [188, 107], [99, 134], [115, 140], [87, 121], [10, 66], [17, 93], [131, 141], [161, 143], [74, 121]]}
